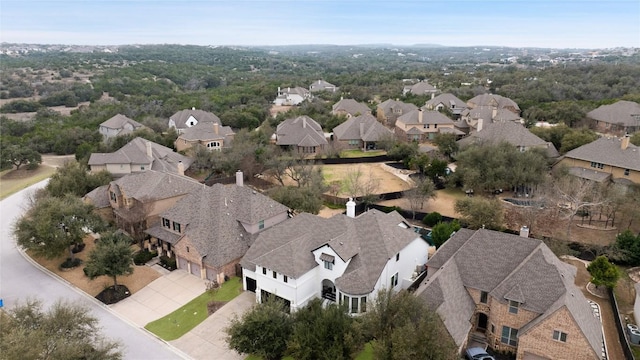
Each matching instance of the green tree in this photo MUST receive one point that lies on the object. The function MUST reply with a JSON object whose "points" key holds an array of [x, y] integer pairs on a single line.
{"points": [[577, 138], [480, 213], [322, 333], [442, 231], [64, 331], [75, 179], [447, 144], [404, 328], [262, 331], [18, 155], [303, 199], [55, 225], [629, 245], [635, 138], [603, 272], [112, 256]]}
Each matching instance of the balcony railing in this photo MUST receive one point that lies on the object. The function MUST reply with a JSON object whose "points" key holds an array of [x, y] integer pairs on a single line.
{"points": [[329, 295]]}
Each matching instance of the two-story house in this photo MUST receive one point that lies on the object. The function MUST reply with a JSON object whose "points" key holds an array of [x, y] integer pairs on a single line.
{"points": [[187, 118], [210, 229], [485, 109], [361, 132], [619, 118], [321, 85], [292, 96], [446, 101], [420, 88], [421, 125], [210, 135], [301, 134], [389, 110], [118, 125], [344, 259], [514, 294]]}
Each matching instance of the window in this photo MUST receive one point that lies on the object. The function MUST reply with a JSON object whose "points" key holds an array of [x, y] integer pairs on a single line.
{"points": [[597, 165], [513, 306], [285, 278], [435, 126], [394, 280], [113, 196], [626, 172], [559, 336], [354, 142], [213, 145], [493, 329], [483, 297], [426, 126], [354, 305], [187, 249], [397, 256], [166, 223], [264, 271], [275, 275], [176, 226], [141, 167], [509, 336], [363, 304], [261, 224], [328, 265]]}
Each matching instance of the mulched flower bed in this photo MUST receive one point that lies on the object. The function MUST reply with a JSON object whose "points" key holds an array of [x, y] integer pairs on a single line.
{"points": [[112, 294]]}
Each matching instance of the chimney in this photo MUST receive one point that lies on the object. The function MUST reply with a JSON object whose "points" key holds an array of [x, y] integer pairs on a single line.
{"points": [[524, 231], [216, 128], [479, 126], [351, 208], [180, 168], [239, 178], [278, 89], [149, 152], [624, 144], [289, 89], [494, 112], [433, 95], [319, 82], [420, 115], [304, 123], [193, 108]]}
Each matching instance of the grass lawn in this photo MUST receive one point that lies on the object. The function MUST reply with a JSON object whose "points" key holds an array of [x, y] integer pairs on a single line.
{"points": [[181, 321], [636, 351], [357, 153], [456, 193], [12, 181]]}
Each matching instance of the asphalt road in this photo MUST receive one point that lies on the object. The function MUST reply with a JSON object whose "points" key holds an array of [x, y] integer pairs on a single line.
{"points": [[20, 279]]}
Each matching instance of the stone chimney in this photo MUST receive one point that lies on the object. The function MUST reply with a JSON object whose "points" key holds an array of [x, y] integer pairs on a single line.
{"points": [[624, 144], [524, 231], [239, 178], [420, 115], [479, 126], [180, 168], [351, 208], [149, 152], [216, 128]]}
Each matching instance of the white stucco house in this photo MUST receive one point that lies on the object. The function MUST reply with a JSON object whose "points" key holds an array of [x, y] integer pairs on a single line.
{"points": [[292, 96], [345, 259]]}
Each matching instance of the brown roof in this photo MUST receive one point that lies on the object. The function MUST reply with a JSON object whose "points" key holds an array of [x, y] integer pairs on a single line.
{"points": [[98, 197], [620, 112], [155, 185]]}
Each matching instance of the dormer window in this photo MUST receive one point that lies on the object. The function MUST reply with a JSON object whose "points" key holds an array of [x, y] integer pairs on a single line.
{"points": [[328, 261], [261, 225], [176, 227], [113, 196], [166, 223], [513, 306]]}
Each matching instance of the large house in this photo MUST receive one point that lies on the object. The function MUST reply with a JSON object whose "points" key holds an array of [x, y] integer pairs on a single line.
{"points": [[187, 118], [118, 125], [210, 135], [485, 109], [345, 259], [512, 133], [140, 155], [292, 96], [446, 101], [321, 85], [605, 159], [420, 125], [389, 110], [622, 117], [349, 108], [361, 132], [301, 134], [512, 293], [420, 88], [210, 229]]}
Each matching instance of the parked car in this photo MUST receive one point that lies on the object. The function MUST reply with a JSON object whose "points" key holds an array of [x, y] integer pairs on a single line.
{"points": [[478, 353]]}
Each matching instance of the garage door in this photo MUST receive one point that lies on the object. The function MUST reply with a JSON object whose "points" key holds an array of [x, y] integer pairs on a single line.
{"points": [[195, 269], [211, 275], [250, 284], [182, 264]]}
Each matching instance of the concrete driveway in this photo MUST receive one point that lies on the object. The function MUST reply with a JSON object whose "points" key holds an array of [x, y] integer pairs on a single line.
{"points": [[207, 340], [160, 297]]}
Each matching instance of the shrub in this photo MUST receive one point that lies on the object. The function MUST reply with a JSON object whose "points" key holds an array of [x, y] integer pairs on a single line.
{"points": [[78, 248], [143, 256], [168, 263], [432, 219], [70, 263]]}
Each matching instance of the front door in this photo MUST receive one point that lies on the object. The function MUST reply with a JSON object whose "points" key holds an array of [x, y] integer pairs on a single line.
{"points": [[482, 322]]}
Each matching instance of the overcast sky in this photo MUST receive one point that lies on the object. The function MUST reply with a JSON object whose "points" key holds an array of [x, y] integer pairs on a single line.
{"points": [[515, 23]]}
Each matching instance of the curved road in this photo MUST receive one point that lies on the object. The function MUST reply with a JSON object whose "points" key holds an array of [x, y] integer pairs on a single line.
{"points": [[20, 279]]}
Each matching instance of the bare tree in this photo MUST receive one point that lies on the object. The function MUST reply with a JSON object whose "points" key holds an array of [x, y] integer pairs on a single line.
{"points": [[421, 193]]}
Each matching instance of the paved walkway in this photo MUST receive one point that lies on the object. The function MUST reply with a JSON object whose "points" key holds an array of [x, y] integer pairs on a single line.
{"points": [[207, 340], [160, 297]]}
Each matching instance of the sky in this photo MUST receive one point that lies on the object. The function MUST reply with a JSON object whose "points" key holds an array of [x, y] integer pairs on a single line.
{"points": [[513, 23]]}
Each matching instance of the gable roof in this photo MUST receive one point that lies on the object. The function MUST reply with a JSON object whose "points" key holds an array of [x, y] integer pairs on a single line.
{"points": [[608, 151], [206, 131], [300, 131], [154, 185], [364, 127], [180, 118], [118, 121], [98, 197], [447, 99], [428, 117], [321, 85], [511, 132], [493, 101], [136, 152], [624, 112], [212, 219], [390, 105], [368, 241], [351, 107], [294, 90], [510, 267], [422, 87]]}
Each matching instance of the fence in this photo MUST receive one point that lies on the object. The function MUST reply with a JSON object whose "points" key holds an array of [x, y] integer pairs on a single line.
{"points": [[622, 329]]}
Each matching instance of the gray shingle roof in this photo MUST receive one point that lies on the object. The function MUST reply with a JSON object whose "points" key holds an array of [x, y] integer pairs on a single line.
{"points": [[118, 121], [618, 112], [364, 127], [300, 131], [511, 132], [428, 117], [423, 87], [389, 105], [492, 100], [590, 174], [155, 185], [135, 152], [205, 131], [510, 267], [369, 240], [213, 217], [446, 99], [321, 85], [351, 107], [608, 151], [98, 197], [180, 118]]}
